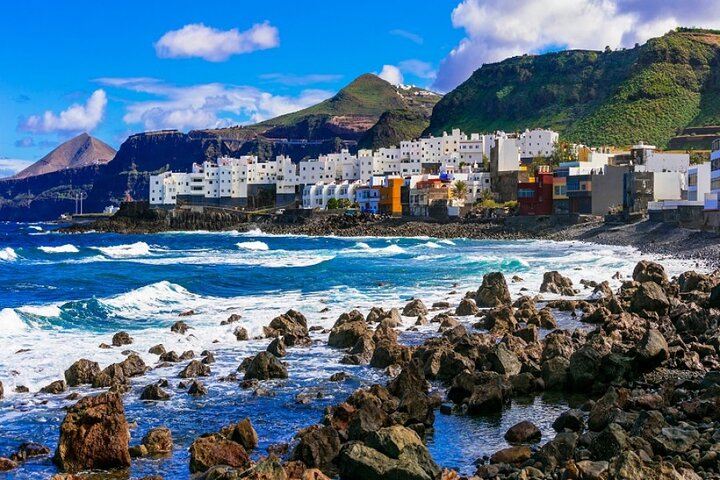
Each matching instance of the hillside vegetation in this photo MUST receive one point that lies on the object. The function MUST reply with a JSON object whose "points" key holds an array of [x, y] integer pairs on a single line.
{"points": [[651, 92]]}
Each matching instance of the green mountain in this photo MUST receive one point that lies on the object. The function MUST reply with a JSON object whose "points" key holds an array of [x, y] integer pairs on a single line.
{"points": [[651, 92], [393, 127], [347, 115]]}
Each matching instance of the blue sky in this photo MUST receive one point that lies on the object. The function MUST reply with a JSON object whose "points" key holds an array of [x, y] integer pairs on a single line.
{"points": [[116, 68]]}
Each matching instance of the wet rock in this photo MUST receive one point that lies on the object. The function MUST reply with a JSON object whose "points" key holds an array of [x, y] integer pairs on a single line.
{"points": [[570, 420], [155, 393], [81, 372], [504, 361], [339, 377], [511, 455], [187, 355], [493, 292], [94, 435], [360, 462], [157, 349], [28, 450], [158, 441], [348, 329], [490, 394], [558, 450], [500, 320], [2, 391], [214, 449], [121, 338], [277, 347], [208, 358], [187, 313], [650, 297], [235, 317], [415, 308], [318, 447], [292, 325], [179, 327], [22, 389], [647, 271], [55, 388], [555, 373], [197, 389], [523, 432], [554, 282], [466, 308], [195, 369], [241, 334], [242, 433], [441, 304], [265, 366], [6, 464], [170, 356], [390, 319], [529, 334], [584, 367], [120, 373]]}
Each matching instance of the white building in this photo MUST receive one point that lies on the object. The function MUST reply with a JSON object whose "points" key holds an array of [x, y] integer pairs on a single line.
{"points": [[537, 143], [712, 199], [318, 194], [698, 182]]}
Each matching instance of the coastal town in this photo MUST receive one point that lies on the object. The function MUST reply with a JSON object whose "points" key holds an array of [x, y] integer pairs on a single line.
{"points": [[449, 176]]}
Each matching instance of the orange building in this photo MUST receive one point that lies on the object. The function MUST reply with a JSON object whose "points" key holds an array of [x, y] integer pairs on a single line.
{"points": [[390, 202]]}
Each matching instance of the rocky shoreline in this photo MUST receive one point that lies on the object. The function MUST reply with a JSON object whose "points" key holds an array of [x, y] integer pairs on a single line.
{"points": [[648, 369]]}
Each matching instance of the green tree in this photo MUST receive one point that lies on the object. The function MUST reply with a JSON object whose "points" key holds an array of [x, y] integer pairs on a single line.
{"points": [[332, 204], [486, 163], [459, 189]]}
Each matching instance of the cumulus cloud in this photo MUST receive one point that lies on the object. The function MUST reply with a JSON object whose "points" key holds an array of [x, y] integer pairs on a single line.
{"points": [[198, 40], [77, 118], [211, 105], [391, 74], [497, 29], [418, 68], [413, 37]]}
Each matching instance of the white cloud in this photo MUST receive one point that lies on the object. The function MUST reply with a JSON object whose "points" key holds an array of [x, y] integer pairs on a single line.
{"points": [[197, 40], [497, 29], [413, 37], [11, 166], [418, 68], [77, 118], [391, 74], [211, 105]]}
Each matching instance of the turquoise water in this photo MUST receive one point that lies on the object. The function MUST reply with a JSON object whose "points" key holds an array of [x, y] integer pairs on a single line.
{"points": [[63, 295]]}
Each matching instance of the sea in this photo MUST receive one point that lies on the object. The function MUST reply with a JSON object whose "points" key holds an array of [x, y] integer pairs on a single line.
{"points": [[62, 295]]}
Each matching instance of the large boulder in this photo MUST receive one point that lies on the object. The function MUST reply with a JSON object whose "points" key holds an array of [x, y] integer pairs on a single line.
{"points": [[158, 441], [54, 388], [652, 349], [415, 308], [362, 462], [650, 297], [554, 282], [94, 435], [493, 292], [81, 372], [348, 329], [584, 367], [523, 432], [242, 433], [466, 308], [504, 361], [292, 325], [195, 369], [318, 447], [214, 449], [490, 394], [265, 366], [647, 271], [155, 393], [121, 338]]}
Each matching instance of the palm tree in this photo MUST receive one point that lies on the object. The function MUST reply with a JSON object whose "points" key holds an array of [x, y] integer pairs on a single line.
{"points": [[459, 189]]}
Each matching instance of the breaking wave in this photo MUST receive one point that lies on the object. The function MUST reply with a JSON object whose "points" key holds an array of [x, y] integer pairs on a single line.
{"points": [[69, 248]]}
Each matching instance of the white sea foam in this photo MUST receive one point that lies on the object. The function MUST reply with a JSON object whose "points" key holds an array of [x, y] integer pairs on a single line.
{"points": [[256, 245], [35, 227], [69, 248], [136, 249], [10, 321], [365, 249], [430, 245], [7, 254], [446, 241], [41, 310], [151, 298]]}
